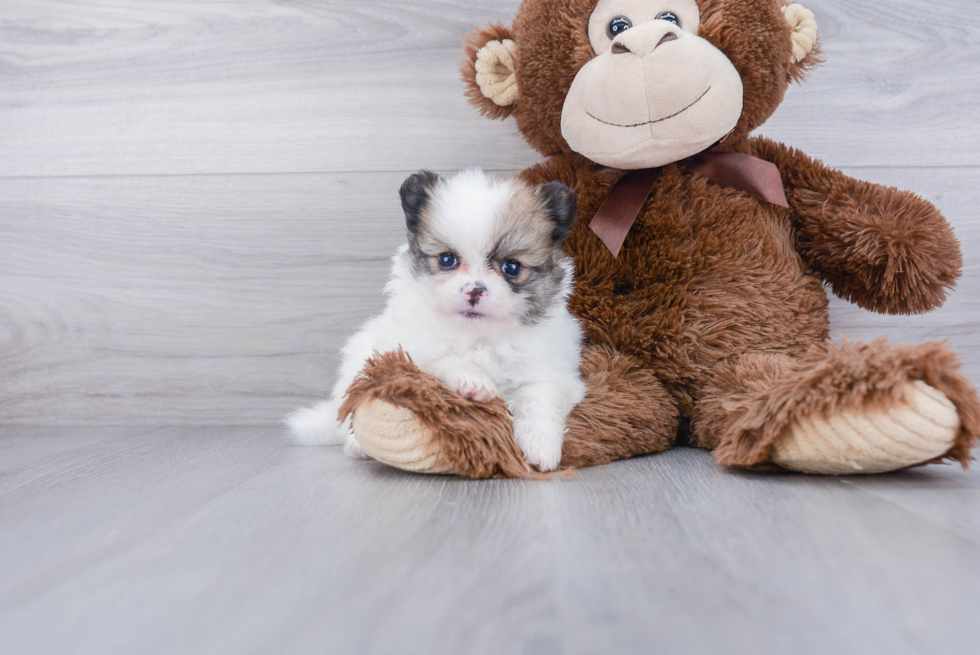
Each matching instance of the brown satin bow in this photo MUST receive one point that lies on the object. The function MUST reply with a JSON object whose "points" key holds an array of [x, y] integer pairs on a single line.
{"points": [[756, 177]]}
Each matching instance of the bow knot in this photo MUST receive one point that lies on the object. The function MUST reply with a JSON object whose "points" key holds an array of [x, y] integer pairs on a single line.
{"points": [[756, 177]]}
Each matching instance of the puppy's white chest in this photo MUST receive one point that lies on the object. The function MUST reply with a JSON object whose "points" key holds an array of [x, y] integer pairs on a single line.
{"points": [[481, 355]]}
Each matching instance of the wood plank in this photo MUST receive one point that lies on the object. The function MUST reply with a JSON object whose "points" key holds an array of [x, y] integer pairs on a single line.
{"points": [[32, 453], [272, 556], [205, 297], [887, 94], [78, 512], [120, 88], [222, 299], [226, 540], [942, 497], [720, 561]]}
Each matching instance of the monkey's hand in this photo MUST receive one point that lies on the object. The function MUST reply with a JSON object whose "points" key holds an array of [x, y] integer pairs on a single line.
{"points": [[881, 248]]}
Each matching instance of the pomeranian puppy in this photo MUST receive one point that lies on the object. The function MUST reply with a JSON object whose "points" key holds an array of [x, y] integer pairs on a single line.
{"points": [[478, 298]]}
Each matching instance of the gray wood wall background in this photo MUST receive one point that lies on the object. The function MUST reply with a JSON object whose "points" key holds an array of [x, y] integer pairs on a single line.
{"points": [[198, 198]]}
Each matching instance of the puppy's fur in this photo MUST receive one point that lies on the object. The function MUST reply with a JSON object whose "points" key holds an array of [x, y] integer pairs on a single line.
{"points": [[477, 297]]}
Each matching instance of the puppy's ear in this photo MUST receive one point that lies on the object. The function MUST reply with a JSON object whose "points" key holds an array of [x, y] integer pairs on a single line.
{"points": [[559, 203], [488, 68], [415, 193]]}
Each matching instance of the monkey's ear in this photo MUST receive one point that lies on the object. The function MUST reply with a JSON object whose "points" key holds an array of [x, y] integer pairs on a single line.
{"points": [[803, 32], [488, 69]]}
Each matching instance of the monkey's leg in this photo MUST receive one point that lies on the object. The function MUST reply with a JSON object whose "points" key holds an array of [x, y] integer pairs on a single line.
{"points": [[411, 420], [862, 408], [626, 412]]}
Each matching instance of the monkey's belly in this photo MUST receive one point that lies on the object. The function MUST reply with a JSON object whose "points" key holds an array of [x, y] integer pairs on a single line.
{"points": [[685, 323]]}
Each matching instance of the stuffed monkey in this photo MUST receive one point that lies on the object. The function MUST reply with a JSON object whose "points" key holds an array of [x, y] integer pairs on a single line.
{"points": [[701, 256]]}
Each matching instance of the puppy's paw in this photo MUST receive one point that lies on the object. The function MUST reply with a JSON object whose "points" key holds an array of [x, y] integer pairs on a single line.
{"points": [[353, 449], [474, 386], [540, 444]]}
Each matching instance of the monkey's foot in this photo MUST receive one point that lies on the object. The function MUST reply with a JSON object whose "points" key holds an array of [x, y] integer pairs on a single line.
{"points": [[395, 435], [921, 428], [855, 408], [411, 420]]}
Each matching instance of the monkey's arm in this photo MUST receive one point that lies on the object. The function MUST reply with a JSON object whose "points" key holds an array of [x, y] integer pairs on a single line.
{"points": [[881, 248]]}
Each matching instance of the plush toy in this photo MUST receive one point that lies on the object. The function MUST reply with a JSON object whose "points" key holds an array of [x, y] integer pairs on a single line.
{"points": [[701, 256]]}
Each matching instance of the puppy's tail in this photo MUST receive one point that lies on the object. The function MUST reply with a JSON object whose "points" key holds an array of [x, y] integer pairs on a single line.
{"points": [[317, 425]]}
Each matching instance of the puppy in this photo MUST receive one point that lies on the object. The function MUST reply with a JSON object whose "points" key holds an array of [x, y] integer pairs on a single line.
{"points": [[478, 298]]}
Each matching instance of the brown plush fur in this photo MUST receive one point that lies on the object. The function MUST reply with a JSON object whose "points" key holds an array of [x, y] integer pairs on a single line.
{"points": [[712, 324], [487, 448], [599, 431], [752, 398], [476, 440]]}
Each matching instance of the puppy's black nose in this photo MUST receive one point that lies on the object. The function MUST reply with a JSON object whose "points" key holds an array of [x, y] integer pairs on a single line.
{"points": [[475, 294]]}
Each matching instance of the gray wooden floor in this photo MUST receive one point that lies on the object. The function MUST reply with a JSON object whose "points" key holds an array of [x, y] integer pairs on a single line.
{"points": [[225, 540]]}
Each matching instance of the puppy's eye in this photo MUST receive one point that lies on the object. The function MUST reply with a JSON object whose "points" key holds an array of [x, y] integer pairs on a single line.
{"points": [[448, 261], [618, 25], [511, 268], [671, 17]]}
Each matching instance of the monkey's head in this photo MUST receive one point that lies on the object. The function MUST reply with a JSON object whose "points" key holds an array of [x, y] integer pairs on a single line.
{"points": [[639, 83]]}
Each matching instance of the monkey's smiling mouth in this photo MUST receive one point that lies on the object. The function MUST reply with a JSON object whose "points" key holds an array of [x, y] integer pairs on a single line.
{"points": [[659, 120]]}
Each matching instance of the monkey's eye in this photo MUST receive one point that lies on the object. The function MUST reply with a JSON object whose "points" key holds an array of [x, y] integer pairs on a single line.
{"points": [[511, 268], [448, 261], [669, 16], [618, 25]]}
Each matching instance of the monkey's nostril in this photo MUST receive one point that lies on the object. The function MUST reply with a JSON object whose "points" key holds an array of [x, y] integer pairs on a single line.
{"points": [[619, 49], [667, 38]]}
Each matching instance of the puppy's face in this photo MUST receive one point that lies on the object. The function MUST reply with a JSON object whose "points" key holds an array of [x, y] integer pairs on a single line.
{"points": [[488, 250]]}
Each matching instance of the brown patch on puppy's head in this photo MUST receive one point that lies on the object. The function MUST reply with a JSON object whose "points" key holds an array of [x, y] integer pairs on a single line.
{"points": [[532, 233]]}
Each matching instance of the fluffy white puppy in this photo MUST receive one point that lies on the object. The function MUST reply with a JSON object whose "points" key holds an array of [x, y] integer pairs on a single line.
{"points": [[477, 297]]}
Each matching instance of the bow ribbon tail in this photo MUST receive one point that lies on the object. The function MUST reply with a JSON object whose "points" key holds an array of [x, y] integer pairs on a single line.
{"points": [[757, 177], [615, 218]]}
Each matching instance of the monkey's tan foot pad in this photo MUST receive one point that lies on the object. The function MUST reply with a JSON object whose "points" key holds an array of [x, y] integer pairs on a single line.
{"points": [[394, 436], [872, 440]]}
